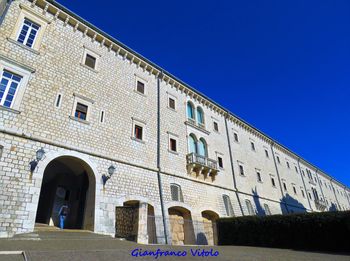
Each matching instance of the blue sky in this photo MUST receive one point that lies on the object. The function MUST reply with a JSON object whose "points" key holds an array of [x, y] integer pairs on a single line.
{"points": [[282, 66]]}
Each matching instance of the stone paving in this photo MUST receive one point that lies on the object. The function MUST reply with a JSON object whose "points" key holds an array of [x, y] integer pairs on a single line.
{"points": [[83, 245]]}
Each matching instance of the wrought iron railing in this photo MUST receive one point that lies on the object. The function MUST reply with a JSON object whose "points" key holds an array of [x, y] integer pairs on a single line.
{"points": [[194, 158], [320, 204]]}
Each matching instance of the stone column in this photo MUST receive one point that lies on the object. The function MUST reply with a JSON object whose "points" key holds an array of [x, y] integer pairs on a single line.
{"points": [[142, 235]]}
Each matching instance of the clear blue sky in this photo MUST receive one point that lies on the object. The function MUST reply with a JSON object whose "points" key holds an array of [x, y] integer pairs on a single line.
{"points": [[283, 66]]}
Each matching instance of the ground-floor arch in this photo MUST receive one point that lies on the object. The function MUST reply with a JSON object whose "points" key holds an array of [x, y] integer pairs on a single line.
{"points": [[67, 180], [181, 226], [210, 229]]}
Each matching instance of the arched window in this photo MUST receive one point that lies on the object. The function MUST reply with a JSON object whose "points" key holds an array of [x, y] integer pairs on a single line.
{"points": [[200, 116], [190, 111], [202, 147], [249, 207], [267, 210], [228, 205], [192, 144], [176, 193]]}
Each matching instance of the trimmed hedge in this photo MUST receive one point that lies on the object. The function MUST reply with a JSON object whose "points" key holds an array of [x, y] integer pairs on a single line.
{"points": [[328, 231]]}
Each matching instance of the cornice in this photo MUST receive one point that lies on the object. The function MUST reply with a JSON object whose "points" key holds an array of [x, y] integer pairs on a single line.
{"points": [[113, 45]]}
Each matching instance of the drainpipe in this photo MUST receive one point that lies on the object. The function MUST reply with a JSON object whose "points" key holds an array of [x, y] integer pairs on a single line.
{"points": [[306, 194], [158, 157], [4, 7], [278, 176], [232, 168], [335, 194]]}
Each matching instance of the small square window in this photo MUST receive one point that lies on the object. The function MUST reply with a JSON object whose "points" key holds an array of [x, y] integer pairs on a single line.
{"points": [[216, 126], [173, 145], [235, 135], [81, 111], [172, 104], [220, 162], [90, 61], [140, 87], [252, 145], [138, 132]]}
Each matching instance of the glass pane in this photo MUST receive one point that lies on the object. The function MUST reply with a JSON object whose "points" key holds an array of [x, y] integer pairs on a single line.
{"points": [[190, 111], [200, 116], [201, 148], [192, 144]]}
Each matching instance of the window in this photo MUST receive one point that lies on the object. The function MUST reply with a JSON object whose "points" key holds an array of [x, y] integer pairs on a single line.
{"points": [[192, 144], [58, 100], [90, 61], [8, 88], [235, 135], [267, 210], [81, 111], [173, 146], [249, 207], [1, 150], [278, 160], [202, 147], [303, 172], [241, 170], [28, 33], [140, 87], [266, 154], [294, 190], [273, 182], [284, 186], [171, 103], [302, 193], [252, 145], [310, 195], [221, 164], [190, 111], [200, 116], [258, 175], [138, 132], [176, 193], [216, 126], [228, 205], [288, 166], [102, 117]]}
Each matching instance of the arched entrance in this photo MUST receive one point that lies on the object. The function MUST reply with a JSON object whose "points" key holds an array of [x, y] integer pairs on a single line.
{"points": [[181, 226], [67, 180], [209, 224]]}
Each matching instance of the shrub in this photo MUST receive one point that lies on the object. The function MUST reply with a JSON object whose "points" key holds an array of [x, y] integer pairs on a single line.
{"points": [[328, 231]]}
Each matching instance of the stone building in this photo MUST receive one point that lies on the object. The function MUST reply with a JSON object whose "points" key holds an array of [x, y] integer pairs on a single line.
{"points": [[134, 151]]}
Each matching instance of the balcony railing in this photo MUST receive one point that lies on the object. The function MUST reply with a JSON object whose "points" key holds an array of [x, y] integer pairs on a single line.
{"points": [[320, 204], [201, 165]]}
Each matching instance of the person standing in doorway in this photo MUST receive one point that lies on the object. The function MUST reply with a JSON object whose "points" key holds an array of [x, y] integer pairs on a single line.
{"points": [[63, 213]]}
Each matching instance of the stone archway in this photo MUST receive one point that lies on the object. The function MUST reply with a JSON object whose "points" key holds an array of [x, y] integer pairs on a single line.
{"points": [[181, 226], [67, 180], [209, 224]]}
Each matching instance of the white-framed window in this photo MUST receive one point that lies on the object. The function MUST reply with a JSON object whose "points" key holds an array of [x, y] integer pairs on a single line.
{"points": [[58, 100], [273, 182], [228, 205], [140, 85], [267, 210], [252, 145], [90, 59], [29, 29], [284, 186], [216, 126], [81, 108], [235, 136], [278, 160], [13, 81], [302, 192], [28, 33], [138, 130], [176, 192], [173, 141], [250, 209], [220, 162], [295, 190], [267, 153], [241, 169], [288, 165], [296, 169], [172, 101]]}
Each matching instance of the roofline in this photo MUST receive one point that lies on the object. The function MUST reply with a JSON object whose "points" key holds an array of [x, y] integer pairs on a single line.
{"points": [[112, 39]]}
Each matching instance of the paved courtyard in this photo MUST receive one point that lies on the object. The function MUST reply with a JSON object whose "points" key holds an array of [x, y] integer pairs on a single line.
{"points": [[83, 245]]}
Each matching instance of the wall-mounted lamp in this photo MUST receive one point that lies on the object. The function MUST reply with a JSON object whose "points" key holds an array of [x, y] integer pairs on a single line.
{"points": [[39, 156], [111, 171]]}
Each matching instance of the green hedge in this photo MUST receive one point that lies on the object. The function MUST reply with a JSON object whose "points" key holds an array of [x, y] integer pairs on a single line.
{"points": [[329, 231]]}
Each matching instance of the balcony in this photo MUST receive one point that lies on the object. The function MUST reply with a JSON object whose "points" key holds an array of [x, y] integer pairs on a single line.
{"points": [[201, 165], [320, 205], [312, 182]]}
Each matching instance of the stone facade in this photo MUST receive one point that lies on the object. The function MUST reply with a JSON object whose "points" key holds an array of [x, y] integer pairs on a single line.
{"points": [[274, 180]]}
